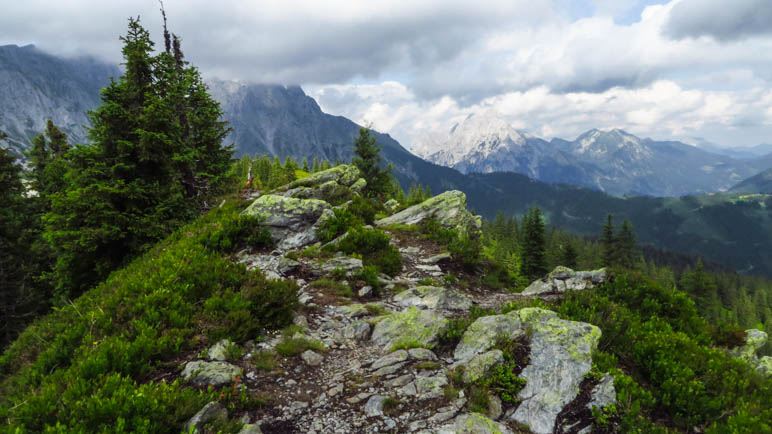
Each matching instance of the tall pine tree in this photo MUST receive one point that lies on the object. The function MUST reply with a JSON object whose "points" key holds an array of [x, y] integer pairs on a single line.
{"points": [[534, 264], [368, 160], [608, 242]]}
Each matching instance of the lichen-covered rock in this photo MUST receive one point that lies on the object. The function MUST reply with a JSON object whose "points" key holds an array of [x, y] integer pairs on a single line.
{"points": [[250, 428], [374, 406], [201, 373], [218, 350], [430, 387], [765, 365], [273, 266], [433, 297], [485, 332], [563, 279], [448, 209], [343, 174], [346, 264], [473, 423], [391, 205], [211, 411], [290, 221], [603, 394], [754, 340], [412, 326], [476, 367], [561, 355]]}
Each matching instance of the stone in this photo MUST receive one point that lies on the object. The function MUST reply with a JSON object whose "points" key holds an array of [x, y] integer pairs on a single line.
{"points": [[603, 394], [432, 260], [290, 221], [389, 369], [418, 328], [211, 411], [476, 367], [399, 381], [218, 350], [365, 291], [312, 358], [374, 406], [357, 331], [346, 264], [391, 205], [561, 356], [474, 423], [421, 354], [430, 387], [765, 365], [433, 297], [448, 209], [495, 408], [754, 340], [250, 428], [273, 267], [563, 279], [485, 332], [353, 310], [390, 359], [201, 373], [342, 174]]}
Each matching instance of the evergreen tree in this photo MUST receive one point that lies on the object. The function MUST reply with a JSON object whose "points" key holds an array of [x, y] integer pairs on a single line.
{"points": [[368, 161], [47, 162], [624, 246], [568, 255], [155, 157], [608, 242], [533, 263]]}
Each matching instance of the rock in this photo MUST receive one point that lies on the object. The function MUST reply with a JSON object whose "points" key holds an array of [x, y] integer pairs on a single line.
{"points": [[754, 340], [357, 330], [390, 359], [436, 258], [201, 373], [312, 358], [430, 387], [561, 355], [354, 310], [433, 297], [389, 369], [495, 408], [346, 264], [476, 367], [603, 394], [391, 205], [290, 221], [273, 267], [213, 410], [474, 423], [485, 332], [765, 365], [374, 406], [217, 351], [359, 185], [416, 327], [448, 209], [421, 354], [343, 174], [563, 279], [365, 291], [250, 428]]}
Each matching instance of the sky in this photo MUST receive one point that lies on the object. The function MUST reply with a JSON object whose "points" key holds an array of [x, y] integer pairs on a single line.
{"points": [[680, 69]]}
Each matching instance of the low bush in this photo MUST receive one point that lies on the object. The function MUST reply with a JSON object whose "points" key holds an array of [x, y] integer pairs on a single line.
{"points": [[374, 247]]}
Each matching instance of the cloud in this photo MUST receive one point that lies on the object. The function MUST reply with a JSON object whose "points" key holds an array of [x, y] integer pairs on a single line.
{"points": [[722, 20], [662, 110]]}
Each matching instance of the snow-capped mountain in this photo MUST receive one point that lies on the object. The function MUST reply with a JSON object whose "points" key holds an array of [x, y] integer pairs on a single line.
{"points": [[613, 161]]}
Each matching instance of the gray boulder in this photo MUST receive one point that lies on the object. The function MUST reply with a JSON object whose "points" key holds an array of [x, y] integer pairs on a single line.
{"points": [[485, 332], [433, 297], [563, 279], [343, 174], [201, 373], [218, 350], [291, 222], [273, 266], [473, 423], [412, 327], [212, 411], [603, 394], [754, 340], [448, 209], [561, 355]]}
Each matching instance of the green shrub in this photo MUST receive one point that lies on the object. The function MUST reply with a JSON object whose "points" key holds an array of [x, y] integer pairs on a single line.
{"points": [[374, 247], [341, 221], [364, 208], [333, 286], [237, 231]]}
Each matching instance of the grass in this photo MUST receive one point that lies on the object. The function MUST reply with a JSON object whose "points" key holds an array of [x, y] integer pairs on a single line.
{"points": [[341, 289], [290, 347], [427, 365], [264, 361]]}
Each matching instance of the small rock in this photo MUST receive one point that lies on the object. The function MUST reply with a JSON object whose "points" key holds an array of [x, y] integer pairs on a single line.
{"points": [[312, 358], [203, 373], [420, 327], [250, 428], [436, 258], [388, 370], [300, 320], [374, 406], [399, 381], [494, 407], [357, 330], [365, 291], [603, 394], [430, 387], [217, 351], [421, 354], [213, 410], [476, 367], [335, 390], [390, 359]]}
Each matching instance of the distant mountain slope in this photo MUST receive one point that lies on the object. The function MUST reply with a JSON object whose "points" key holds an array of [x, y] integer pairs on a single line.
{"points": [[35, 86], [612, 161], [759, 183]]}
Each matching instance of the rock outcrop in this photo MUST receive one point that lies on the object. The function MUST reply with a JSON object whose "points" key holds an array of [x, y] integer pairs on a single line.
{"points": [[333, 185], [754, 340], [412, 326], [202, 373], [563, 279], [291, 222], [448, 209]]}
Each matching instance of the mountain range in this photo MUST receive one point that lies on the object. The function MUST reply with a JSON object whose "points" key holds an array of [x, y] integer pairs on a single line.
{"points": [[612, 161], [284, 121]]}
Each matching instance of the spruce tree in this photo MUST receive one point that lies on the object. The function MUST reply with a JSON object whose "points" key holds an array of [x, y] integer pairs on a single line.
{"points": [[154, 158], [47, 161], [624, 246], [533, 263], [368, 161], [568, 255], [608, 242]]}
